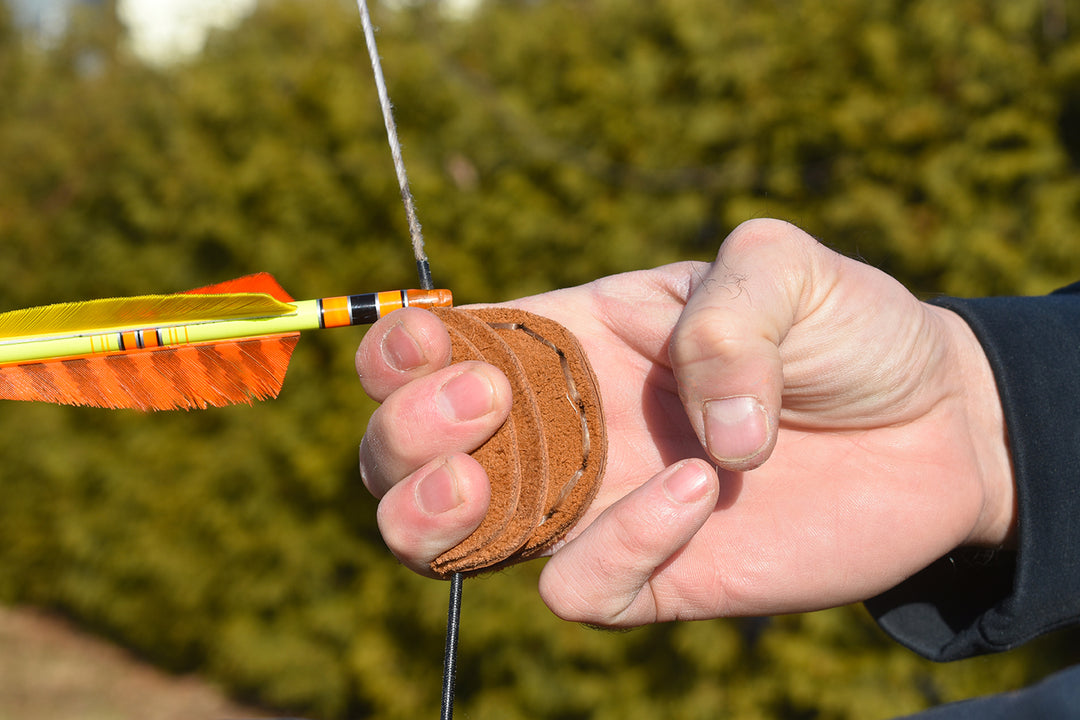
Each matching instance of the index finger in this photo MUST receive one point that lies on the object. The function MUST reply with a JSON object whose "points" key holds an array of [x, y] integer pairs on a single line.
{"points": [[405, 345]]}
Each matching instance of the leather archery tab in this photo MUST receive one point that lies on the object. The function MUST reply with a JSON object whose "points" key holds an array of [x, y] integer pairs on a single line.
{"points": [[545, 462]]}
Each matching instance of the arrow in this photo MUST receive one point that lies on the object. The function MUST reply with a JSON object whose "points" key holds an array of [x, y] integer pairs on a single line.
{"points": [[213, 346]]}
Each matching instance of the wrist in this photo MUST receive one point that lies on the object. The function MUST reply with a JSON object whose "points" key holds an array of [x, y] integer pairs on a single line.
{"points": [[995, 523]]}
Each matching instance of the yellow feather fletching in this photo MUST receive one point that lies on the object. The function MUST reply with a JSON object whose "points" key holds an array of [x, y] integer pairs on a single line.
{"points": [[136, 312]]}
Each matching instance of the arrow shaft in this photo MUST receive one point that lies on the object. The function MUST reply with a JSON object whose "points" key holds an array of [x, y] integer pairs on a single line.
{"points": [[340, 311]]}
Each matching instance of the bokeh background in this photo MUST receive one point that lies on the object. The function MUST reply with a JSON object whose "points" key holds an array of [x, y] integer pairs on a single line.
{"points": [[549, 142]]}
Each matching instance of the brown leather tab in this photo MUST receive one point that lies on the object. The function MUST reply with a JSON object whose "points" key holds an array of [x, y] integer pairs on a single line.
{"points": [[515, 456], [545, 463]]}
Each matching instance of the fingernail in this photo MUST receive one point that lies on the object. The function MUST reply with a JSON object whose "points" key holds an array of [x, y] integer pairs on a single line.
{"points": [[437, 492], [467, 396], [736, 428], [687, 484], [400, 349]]}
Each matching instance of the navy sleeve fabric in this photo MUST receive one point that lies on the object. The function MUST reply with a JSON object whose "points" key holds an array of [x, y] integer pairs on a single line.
{"points": [[1056, 697], [972, 603]]}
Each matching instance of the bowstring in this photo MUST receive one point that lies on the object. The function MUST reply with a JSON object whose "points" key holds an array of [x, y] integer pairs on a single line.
{"points": [[423, 267], [415, 233]]}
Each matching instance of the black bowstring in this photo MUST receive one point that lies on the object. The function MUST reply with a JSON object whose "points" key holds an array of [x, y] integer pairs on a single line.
{"points": [[453, 619], [453, 612], [423, 268]]}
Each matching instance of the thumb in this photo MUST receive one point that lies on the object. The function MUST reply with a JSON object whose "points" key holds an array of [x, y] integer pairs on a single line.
{"points": [[725, 348]]}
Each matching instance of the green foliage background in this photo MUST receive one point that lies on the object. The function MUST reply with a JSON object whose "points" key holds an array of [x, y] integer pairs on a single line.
{"points": [[548, 143]]}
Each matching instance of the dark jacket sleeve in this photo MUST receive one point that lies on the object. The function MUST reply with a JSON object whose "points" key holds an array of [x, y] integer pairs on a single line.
{"points": [[971, 603], [1056, 697]]}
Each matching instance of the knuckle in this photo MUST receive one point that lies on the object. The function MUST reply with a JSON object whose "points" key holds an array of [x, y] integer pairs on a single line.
{"points": [[585, 596], [704, 335], [629, 534], [371, 468], [766, 232]]}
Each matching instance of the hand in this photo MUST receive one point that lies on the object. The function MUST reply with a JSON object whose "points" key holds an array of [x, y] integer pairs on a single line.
{"points": [[857, 433]]}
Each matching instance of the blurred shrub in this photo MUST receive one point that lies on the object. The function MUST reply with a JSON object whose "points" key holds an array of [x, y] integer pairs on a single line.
{"points": [[548, 143]]}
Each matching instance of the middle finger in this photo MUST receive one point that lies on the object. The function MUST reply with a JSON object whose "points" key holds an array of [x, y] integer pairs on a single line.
{"points": [[452, 410]]}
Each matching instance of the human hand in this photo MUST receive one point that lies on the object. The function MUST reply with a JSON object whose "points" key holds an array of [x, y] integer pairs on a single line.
{"points": [[857, 433]]}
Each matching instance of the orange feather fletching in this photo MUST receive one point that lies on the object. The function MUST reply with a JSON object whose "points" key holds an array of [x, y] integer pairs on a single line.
{"points": [[169, 378], [216, 345], [173, 378], [263, 283]]}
